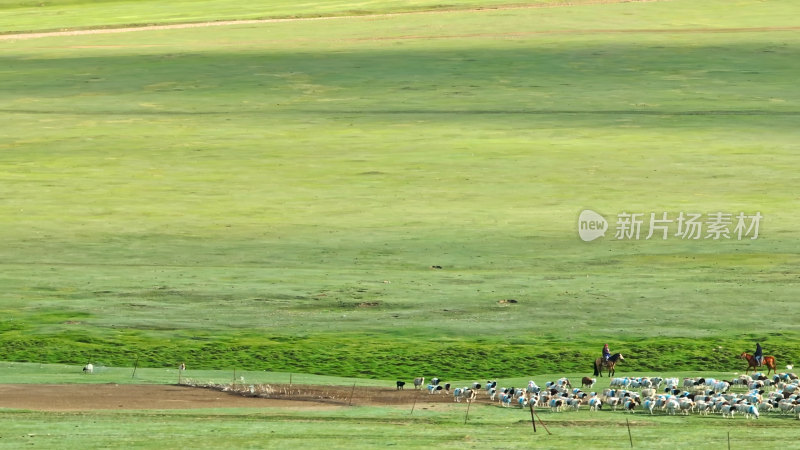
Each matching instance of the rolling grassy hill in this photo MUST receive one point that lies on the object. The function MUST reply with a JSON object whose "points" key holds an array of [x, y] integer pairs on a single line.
{"points": [[275, 195]]}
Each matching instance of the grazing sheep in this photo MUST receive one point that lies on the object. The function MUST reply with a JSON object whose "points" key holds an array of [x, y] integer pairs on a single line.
{"points": [[791, 388], [702, 407], [631, 404], [749, 411], [655, 382], [661, 401], [671, 383], [418, 382], [728, 410], [623, 382], [465, 393], [766, 407], [673, 406], [588, 382], [400, 385], [544, 399], [649, 405], [686, 406], [720, 387], [88, 368], [432, 389], [786, 406], [560, 385], [556, 404]]}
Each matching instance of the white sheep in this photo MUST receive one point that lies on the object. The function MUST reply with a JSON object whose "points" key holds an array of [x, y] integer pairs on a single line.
{"points": [[88, 368], [701, 407], [673, 406], [749, 411], [727, 411], [765, 407], [686, 406], [649, 405]]}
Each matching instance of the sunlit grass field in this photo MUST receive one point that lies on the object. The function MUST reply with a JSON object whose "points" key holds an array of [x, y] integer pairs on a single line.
{"points": [[370, 427], [423, 424], [274, 196]]}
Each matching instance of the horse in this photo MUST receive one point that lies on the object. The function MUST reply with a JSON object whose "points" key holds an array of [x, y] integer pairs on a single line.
{"points": [[599, 363], [768, 361]]}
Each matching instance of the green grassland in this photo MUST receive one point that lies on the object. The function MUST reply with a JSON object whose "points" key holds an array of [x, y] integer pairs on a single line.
{"points": [[18, 15], [371, 427], [422, 425], [273, 196], [440, 426]]}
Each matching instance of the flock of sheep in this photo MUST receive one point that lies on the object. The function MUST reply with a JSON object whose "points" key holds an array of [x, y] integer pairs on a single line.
{"points": [[762, 394]]}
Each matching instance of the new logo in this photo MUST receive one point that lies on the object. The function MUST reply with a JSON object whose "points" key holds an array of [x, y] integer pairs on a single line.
{"points": [[591, 225]]}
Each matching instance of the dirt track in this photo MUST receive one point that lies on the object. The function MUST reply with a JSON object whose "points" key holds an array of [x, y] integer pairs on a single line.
{"points": [[83, 397], [295, 19]]}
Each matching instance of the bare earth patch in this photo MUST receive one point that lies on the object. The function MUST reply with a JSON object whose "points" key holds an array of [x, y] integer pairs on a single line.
{"points": [[85, 397]]}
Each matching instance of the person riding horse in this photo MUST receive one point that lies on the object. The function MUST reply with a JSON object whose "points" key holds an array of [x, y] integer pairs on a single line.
{"points": [[606, 353], [759, 354]]}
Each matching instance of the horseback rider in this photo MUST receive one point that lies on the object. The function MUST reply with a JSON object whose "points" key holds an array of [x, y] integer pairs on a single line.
{"points": [[606, 353], [759, 354]]}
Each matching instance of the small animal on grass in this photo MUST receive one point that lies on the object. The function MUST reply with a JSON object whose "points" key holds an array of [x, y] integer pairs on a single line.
{"points": [[432, 389], [588, 382], [631, 404], [418, 382], [464, 393], [400, 385], [88, 368]]}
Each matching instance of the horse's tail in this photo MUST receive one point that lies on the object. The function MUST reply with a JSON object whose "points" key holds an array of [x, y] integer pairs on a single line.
{"points": [[596, 370]]}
